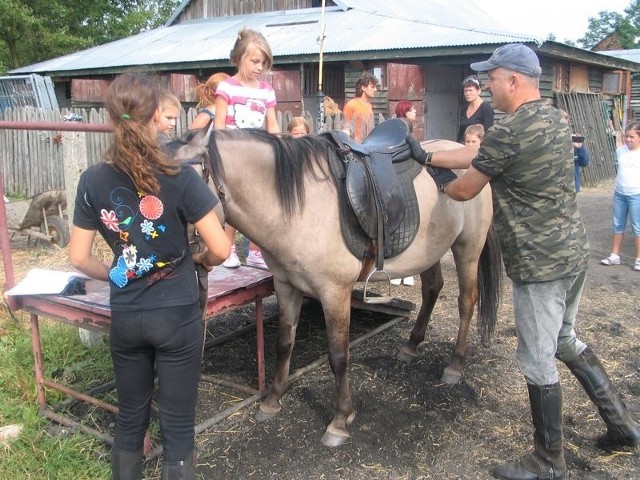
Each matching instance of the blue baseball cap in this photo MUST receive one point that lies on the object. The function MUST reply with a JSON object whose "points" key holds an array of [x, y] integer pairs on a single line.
{"points": [[514, 56]]}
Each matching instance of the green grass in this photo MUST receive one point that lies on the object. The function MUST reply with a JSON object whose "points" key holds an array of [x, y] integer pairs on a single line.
{"points": [[38, 453], [16, 196]]}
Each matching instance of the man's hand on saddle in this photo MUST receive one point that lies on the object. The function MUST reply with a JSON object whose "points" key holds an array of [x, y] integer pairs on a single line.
{"points": [[417, 152], [442, 176], [449, 155]]}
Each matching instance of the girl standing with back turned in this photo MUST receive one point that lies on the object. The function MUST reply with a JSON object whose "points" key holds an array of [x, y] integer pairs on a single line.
{"points": [[140, 202], [247, 101]]}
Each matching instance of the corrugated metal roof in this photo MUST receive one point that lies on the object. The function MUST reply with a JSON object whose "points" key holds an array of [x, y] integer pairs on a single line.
{"points": [[366, 25], [632, 55]]}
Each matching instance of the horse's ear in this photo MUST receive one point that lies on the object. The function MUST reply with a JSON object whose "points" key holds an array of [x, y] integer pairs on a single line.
{"points": [[194, 144]]}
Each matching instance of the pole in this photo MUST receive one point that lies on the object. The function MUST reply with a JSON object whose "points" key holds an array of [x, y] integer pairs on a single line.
{"points": [[320, 117], [55, 126]]}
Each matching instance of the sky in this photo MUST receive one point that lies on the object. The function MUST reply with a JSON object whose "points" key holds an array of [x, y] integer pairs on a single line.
{"points": [[566, 19]]}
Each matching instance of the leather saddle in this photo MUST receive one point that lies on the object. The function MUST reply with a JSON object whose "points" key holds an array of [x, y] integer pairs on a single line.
{"points": [[373, 189]]}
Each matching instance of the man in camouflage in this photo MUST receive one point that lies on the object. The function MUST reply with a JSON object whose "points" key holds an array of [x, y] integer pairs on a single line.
{"points": [[528, 158]]}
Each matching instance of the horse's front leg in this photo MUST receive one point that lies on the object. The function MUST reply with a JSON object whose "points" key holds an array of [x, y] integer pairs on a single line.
{"points": [[467, 298], [337, 313], [432, 284], [289, 304]]}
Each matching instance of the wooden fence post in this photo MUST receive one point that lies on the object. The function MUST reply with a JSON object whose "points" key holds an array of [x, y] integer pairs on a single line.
{"points": [[74, 160]]}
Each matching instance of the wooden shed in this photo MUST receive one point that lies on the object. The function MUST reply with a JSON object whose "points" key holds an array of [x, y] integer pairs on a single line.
{"points": [[419, 50]]}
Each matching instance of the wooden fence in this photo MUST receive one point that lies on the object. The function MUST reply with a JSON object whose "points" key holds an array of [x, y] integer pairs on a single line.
{"points": [[589, 117], [31, 160]]}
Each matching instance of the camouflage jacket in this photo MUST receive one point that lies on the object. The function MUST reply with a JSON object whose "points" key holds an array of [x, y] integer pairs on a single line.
{"points": [[529, 157]]}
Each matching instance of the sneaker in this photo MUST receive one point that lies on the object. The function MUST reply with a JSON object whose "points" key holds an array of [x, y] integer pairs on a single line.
{"points": [[232, 261], [408, 281], [612, 259], [396, 281], [254, 259], [636, 265]]}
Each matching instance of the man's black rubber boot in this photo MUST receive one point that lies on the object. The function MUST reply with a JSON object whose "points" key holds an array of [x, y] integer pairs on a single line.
{"points": [[546, 462], [622, 430]]}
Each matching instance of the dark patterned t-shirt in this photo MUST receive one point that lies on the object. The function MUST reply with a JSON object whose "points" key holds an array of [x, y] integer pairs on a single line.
{"points": [[152, 264], [529, 157]]}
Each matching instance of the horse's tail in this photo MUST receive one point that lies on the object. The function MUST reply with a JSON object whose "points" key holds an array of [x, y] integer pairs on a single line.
{"points": [[489, 286]]}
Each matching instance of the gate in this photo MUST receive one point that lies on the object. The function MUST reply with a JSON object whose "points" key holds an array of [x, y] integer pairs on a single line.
{"points": [[590, 117]]}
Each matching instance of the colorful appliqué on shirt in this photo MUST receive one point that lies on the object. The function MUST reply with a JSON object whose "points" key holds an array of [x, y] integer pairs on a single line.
{"points": [[130, 207]]}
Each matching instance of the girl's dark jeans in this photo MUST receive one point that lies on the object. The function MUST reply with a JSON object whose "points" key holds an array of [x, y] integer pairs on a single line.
{"points": [[172, 339]]}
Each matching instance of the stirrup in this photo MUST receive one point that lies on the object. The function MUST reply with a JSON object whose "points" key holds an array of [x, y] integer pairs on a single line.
{"points": [[380, 299]]}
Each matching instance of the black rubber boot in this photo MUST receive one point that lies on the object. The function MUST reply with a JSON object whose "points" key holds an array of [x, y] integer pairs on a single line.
{"points": [[546, 462], [182, 470], [125, 464], [621, 429]]}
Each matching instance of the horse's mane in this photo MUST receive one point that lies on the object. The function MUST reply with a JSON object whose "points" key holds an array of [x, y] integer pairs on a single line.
{"points": [[294, 157]]}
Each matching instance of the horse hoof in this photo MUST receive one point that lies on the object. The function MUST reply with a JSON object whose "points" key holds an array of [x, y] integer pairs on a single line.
{"points": [[264, 415], [351, 418], [333, 439], [405, 356], [451, 378]]}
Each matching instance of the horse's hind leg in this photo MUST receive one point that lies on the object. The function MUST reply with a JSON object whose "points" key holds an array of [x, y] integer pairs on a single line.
{"points": [[289, 304], [432, 284], [468, 296]]}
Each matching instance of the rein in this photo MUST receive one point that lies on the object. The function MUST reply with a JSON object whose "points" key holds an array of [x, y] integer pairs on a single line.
{"points": [[208, 173]]}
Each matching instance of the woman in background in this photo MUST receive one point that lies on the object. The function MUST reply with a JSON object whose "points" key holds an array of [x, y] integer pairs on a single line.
{"points": [[475, 110]]}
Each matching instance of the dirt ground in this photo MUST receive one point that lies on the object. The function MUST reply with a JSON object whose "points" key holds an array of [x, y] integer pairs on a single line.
{"points": [[409, 425]]}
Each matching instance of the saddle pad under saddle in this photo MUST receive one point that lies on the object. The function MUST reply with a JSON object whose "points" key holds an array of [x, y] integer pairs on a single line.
{"points": [[354, 236]]}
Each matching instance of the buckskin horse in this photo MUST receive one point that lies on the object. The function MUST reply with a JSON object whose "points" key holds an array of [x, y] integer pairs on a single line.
{"points": [[283, 194]]}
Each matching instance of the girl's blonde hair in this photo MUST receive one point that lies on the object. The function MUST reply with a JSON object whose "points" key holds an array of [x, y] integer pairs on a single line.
{"points": [[206, 92], [167, 99], [247, 39], [476, 129], [298, 122], [132, 100], [331, 108]]}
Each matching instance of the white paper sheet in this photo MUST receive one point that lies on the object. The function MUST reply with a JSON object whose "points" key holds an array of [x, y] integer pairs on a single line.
{"points": [[44, 282]]}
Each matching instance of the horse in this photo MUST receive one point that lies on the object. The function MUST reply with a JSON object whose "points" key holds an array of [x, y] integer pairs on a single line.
{"points": [[280, 192]]}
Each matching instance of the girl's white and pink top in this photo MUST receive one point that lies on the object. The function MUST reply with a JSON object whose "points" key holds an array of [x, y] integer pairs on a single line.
{"points": [[246, 106], [628, 177]]}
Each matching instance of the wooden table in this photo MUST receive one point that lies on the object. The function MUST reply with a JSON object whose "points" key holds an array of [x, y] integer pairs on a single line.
{"points": [[228, 289]]}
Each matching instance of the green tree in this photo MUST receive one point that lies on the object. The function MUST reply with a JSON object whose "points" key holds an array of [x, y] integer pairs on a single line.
{"points": [[625, 27], [35, 30]]}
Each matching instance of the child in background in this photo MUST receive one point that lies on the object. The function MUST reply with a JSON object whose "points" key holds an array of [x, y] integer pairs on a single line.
{"points": [[206, 94], [247, 101], [626, 197], [298, 127], [474, 134], [169, 112]]}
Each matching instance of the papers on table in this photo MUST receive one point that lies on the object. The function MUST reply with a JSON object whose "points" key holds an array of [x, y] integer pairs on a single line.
{"points": [[45, 282]]}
